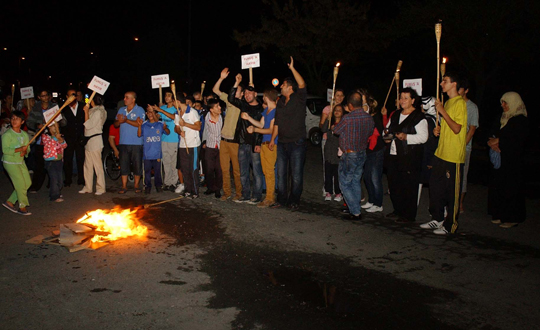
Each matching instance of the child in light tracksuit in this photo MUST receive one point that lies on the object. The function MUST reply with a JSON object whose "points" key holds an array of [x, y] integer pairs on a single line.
{"points": [[15, 148]]}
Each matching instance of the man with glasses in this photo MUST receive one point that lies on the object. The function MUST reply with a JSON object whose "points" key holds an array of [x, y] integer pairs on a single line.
{"points": [[35, 122]]}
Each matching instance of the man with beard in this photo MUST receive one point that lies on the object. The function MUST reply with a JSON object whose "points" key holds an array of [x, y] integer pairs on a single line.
{"points": [[249, 151]]}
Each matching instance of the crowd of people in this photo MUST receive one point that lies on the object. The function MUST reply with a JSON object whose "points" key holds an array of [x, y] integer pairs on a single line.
{"points": [[187, 136]]}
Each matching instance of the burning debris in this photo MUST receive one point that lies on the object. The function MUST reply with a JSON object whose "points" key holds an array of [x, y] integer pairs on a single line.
{"points": [[96, 229]]}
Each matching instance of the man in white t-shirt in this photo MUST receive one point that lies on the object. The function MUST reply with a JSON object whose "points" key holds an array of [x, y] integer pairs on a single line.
{"points": [[472, 125], [188, 125]]}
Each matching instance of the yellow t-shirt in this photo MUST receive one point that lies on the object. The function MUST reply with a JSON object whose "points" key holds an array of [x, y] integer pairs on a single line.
{"points": [[452, 146]]}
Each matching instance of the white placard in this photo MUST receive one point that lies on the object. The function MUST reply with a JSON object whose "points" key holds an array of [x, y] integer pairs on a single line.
{"points": [[98, 85], [50, 113], [27, 92], [251, 61], [160, 80], [415, 84], [329, 95]]}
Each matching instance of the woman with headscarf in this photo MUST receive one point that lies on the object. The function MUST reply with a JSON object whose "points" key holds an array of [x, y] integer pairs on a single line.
{"points": [[506, 201]]}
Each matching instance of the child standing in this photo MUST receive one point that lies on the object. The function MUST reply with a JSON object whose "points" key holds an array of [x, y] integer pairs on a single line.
{"points": [[14, 148], [53, 153], [211, 143], [188, 125], [331, 159], [151, 131]]}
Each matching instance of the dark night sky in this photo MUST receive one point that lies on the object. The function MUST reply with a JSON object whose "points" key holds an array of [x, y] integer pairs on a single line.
{"points": [[61, 48], [57, 39]]}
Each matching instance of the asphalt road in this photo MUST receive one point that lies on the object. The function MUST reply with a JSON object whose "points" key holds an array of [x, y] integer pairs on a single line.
{"points": [[208, 264]]}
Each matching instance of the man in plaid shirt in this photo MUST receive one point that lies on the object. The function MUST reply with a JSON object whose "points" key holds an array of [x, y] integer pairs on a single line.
{"points": [[353, 130]]}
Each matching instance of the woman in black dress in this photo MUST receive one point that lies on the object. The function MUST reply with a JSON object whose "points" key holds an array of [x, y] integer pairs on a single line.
{"points": [[506, 201]]}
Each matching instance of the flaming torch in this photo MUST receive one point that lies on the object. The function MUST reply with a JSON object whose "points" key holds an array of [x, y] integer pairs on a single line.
{"points": [[203, 85], [13, 96], [438, 32], [336, 71], [398, 68], [443, 72]]}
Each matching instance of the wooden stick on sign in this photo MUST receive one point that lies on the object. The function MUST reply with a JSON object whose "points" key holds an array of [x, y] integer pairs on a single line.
{"points": [[160, 96], [70, 99], [173, 89], [91, 98], [251, 77]]}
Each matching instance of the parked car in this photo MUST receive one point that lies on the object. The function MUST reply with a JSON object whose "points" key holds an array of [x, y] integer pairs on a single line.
{"points": [[314, 108]]}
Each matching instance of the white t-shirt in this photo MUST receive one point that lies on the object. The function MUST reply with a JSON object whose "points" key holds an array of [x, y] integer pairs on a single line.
{"points": [[192, 138]]}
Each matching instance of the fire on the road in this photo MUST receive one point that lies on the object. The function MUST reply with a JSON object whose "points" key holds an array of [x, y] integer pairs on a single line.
{"points": [[114, 224]]}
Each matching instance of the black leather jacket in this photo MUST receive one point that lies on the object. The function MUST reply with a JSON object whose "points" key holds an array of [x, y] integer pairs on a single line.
{"points": [[255, 111]]}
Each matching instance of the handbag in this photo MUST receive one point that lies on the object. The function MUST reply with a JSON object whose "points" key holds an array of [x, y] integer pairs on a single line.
{"points": [[495, 158], [85, 139]]}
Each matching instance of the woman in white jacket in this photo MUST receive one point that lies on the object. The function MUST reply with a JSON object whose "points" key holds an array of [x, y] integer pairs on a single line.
{"points": [[94, 119]]}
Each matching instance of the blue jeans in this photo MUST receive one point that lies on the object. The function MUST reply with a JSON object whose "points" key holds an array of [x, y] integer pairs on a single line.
{"points": [[248, 158], [351, 167], [290, 155], [373, 176], [54, 168]]}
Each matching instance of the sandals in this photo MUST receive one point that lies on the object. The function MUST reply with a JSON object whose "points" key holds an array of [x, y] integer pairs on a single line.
{"points": [[124, 190]]}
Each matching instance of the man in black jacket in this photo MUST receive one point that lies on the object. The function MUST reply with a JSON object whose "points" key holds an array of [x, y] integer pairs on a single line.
{"points": [[73, 134], [250, 143]]}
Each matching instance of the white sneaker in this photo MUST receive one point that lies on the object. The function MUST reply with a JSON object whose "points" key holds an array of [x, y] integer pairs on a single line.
{"points": [[374, 209], [367, 205], [179, 189], [98, 193], [338, 198], [440, 231], [328, 197], [433, 224], [84, 192]]}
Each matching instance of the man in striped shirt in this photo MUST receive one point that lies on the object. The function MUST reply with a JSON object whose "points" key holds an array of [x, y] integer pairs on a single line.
{"points": [[353, 130]]}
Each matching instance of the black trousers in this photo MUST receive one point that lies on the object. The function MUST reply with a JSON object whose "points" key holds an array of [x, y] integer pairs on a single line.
{"points": [[74, 147], [403, 186], [212, 169], [189, 170], [445, 191], [331, 178]]}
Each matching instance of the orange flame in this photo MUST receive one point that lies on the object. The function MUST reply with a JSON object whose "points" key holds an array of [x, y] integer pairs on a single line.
{"points": [[114, 224], [338, 64], [444, 59]]}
